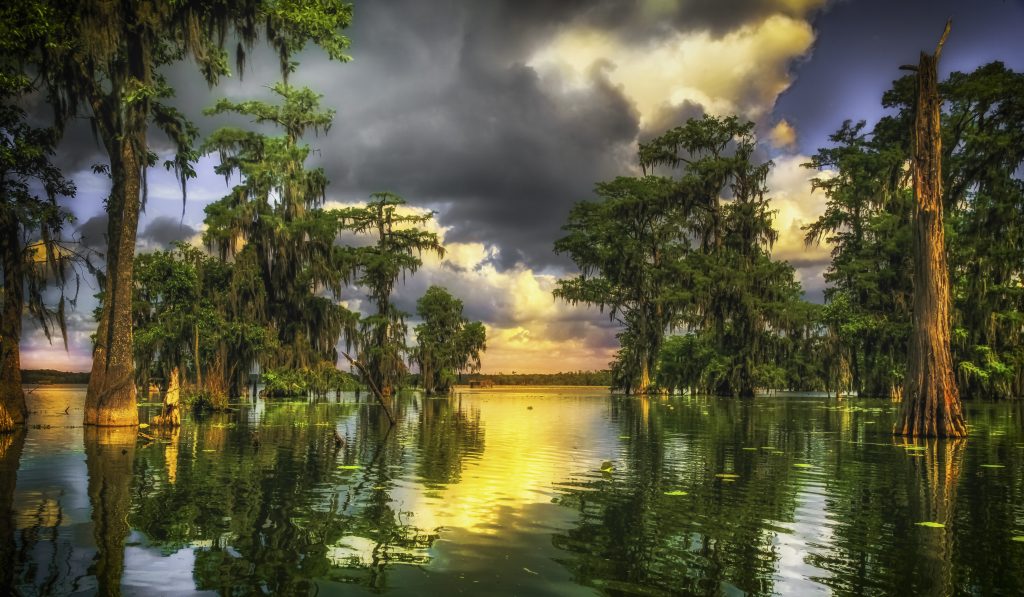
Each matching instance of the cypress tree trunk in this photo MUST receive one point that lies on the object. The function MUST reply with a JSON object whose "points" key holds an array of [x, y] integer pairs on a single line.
{"points": [[111, 400], [644, 384], [12, 398], [931, 401]]}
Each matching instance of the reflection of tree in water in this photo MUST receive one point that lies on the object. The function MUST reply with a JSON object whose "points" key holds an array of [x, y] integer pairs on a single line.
{"points": [[877, 545], [11, 445], [632, 537], [448, 433], [879, 490], [270, 509], [109, 455], [933, 481], [991, 502]]}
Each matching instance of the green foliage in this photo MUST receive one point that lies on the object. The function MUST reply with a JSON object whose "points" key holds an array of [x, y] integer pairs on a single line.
{"points": [[690, 252], [448, 343], [397, 251], [274, 223], [110, 67], [316, 381], [186, 301], [628, 245], [34, 258], [33, 254], [205, 399], [868, 222]]}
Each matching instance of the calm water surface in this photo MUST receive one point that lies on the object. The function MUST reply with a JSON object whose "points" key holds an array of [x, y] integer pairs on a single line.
{"points": [[499, 492]]}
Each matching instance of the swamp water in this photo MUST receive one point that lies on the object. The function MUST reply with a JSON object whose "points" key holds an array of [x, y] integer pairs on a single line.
{"points": [[502, 492]]}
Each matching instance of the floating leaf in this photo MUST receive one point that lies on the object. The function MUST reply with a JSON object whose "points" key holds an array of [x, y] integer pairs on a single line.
{"points": [[803, 465], [931, 525], [676, 492], [623, 437], [607, 466], [727, 476], [143, 425], [750, 449], [379, 488], [993, 466], [349, 467], [1018, 539]]}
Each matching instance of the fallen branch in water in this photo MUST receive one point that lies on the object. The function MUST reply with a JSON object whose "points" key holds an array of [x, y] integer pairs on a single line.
{"points": [[373, 386]]}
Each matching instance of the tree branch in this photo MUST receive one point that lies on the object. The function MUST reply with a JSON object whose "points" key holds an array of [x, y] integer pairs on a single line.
{"points": [[373, 386], [942, 40]]}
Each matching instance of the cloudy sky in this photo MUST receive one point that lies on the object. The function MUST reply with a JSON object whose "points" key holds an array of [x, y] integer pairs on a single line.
{"points": [[498, 115]]}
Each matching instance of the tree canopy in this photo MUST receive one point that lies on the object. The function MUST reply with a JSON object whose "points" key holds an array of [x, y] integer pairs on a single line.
{"points": [[447, 343]]}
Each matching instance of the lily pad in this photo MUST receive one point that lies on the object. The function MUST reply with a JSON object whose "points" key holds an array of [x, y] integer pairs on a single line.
{"points": [[143, 425], [623, 437], [349, 467], [750, 449], [676, 492], [993, 466], [1018, 539], [607, 466], [802, 465], [727, 476], [931, 525]]}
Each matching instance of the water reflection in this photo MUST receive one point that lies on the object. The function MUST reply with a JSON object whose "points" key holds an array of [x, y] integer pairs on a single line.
{"points": [[525, 491], [109, 456], [10, 455]]}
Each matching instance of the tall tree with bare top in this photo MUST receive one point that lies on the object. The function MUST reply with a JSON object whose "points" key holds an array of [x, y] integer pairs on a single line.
{"points": [[931, 401]]}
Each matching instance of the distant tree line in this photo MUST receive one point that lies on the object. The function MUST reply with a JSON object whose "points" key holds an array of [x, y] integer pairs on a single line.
{"points": [[568, 378], [52, 376]]}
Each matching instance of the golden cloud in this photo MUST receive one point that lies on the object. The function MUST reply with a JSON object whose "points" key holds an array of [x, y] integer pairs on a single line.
{"points": [[741, 72]]}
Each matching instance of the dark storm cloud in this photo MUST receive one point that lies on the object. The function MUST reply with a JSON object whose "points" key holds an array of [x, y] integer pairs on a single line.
{"points": [[93, 232], [453, 118], [164, 230], [440, 106]]}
